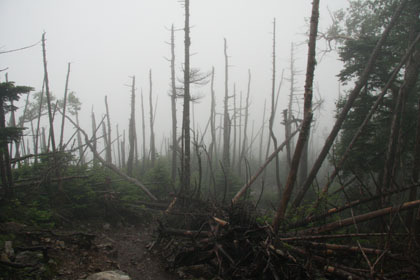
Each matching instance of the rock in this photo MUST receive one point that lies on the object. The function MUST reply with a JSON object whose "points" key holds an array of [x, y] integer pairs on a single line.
{"points": [[61, 244], [109, 275], [4, 257], [30, 258], [8, 249]]}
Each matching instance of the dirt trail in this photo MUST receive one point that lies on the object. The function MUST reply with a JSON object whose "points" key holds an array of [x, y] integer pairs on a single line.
{"points": [[130, 253]]}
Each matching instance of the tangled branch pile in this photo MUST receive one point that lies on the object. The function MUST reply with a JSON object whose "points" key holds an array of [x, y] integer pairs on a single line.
{"points": [[203, 240]]}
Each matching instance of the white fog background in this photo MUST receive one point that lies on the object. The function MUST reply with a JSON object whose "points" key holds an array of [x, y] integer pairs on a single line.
{"points": [[109, 41]]}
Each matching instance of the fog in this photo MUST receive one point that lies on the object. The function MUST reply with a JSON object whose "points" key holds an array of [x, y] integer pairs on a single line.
{"points": [[107, 42]]}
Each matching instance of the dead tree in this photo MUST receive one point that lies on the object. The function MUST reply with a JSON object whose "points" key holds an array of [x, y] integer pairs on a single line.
{"points": [[64, 107], [37, 135], [152, 133], [274, 108], [307, 117], [79, 141], [132, 130], [236, 111], [288, 116], [143, 126], [213, 144], [245, 139], [226, 118], [349, 103], [47, 92], [108, 149], [186, 139], [123, 144], [173, 108], [94, 143], [118, 147], [262, 135]]}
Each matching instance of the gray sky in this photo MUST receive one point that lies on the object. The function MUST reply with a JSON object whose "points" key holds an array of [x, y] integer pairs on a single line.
{"points": [[108, 41]]}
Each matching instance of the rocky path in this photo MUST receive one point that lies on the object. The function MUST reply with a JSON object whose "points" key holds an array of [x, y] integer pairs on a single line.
{"points": [[77, 254]]}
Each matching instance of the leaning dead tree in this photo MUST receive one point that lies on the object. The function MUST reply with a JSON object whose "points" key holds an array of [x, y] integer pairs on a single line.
{"points": [[349, 103], [307, 117], [64, 107]]}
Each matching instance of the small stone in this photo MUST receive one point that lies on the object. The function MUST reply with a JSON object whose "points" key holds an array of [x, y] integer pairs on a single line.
{"points": [[4, 257], [61, 244], [109, 275], [8, 249]]}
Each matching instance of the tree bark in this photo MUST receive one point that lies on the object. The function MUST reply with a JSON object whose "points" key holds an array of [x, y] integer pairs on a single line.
{"points": [[64, 107], [226, 118], [131, 131], [152, 133], [186, 159], [108, 153], [173, 108], [245, 139], [307, 117]]}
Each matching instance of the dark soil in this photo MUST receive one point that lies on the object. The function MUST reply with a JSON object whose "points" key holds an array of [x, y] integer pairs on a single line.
{"points": [[76, 254]]}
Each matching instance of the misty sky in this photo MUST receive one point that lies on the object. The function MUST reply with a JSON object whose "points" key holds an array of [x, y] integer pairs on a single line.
{"points": [[109, 41]]}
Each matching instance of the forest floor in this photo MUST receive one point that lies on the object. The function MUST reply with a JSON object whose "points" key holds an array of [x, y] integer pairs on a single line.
{"points": [[83, 250]]}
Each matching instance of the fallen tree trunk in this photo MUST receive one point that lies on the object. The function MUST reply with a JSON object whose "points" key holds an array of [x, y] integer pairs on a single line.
{"points": [[361, 218]]}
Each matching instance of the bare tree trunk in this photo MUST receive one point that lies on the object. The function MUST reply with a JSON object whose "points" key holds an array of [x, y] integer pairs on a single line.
{"points": [[79, 141], [235, 114], [226, 118], [123, 151], [349, 103], [5, 165], [119, 148], [274, 108], [132, 130], [173, 108], [262, 135], [94, 143], [143, 126], [213, 145], [152, 133], [307, 117], [47, 91], [21, 125], [44, 141], [240, 130], [64, 107], [245, 140], [108, 153], [288, 116], [37, 136], [186, 158], [415, 172]]}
